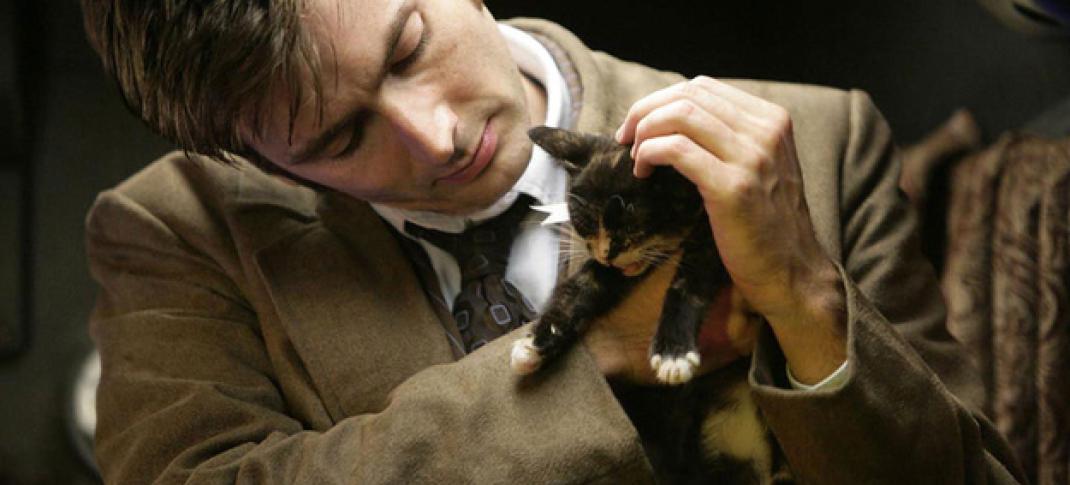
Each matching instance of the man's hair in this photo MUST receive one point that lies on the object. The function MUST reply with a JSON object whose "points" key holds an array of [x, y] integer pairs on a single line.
{"points": [[197, 71]]}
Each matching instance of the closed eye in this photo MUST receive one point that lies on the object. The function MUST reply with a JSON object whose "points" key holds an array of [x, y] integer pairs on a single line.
{"points": [[415, 27], [355, 137], [582, 223]]}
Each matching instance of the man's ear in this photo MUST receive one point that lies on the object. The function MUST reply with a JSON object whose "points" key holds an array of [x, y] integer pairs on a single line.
{"points": [[571, 148]]}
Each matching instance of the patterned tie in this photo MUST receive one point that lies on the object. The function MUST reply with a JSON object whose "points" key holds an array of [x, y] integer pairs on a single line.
{"points": [[488, 306]]}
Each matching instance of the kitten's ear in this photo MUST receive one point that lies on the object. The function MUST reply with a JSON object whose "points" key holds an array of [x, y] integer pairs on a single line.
{"points": [[571, 148]]}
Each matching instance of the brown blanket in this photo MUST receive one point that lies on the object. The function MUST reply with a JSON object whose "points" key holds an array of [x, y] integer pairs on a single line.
{"points": [[1006, 279]]}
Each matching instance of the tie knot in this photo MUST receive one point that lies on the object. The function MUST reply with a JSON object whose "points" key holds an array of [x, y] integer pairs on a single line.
{"points": [[482, 248]]}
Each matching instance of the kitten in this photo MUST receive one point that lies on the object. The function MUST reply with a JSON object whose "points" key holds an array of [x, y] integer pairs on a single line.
{"points": [[629, 225], [710, 429]]}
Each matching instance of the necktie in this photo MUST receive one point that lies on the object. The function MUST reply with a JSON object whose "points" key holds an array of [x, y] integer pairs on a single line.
{"points": [[488, 305]]}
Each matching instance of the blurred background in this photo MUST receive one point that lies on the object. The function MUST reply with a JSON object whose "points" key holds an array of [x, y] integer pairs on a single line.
{"points": [[65, 135]]}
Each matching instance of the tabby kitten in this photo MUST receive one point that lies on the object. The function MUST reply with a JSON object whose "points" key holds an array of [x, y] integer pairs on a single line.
{"points": [[707, 431]]}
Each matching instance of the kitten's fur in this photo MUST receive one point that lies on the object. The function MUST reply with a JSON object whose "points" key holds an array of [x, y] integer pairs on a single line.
{"points": [[709, 430]]}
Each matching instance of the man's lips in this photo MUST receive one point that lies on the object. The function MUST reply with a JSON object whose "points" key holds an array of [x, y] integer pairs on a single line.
{"points": [[488, 144]]}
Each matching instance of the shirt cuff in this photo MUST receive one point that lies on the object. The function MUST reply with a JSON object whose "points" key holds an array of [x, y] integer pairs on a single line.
{"points": [[832, 381]]}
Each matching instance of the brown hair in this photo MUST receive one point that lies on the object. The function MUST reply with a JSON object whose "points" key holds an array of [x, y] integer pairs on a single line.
{"points": [[198, 71]]}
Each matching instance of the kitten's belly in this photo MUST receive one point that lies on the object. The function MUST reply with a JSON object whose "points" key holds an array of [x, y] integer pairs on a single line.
{"points": [[642, 307], [637, 315]]}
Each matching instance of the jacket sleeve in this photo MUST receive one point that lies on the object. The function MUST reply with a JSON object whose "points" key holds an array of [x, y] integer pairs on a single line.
{"points": [[908, 411], [188, 392]]}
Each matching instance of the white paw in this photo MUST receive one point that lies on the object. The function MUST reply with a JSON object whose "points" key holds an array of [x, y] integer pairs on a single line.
{"points": [[525, 359], [675, 370]]}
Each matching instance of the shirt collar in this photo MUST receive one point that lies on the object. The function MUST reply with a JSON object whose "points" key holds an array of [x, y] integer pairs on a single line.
{"points": [[544, 179]]}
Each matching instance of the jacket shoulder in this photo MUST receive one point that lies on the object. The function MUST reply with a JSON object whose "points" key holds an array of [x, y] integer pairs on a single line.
{"points": [[177, 181], [197, 200], [826, 108]]}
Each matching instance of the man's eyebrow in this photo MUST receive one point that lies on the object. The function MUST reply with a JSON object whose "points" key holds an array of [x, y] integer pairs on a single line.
{"points": [[321, 141]]}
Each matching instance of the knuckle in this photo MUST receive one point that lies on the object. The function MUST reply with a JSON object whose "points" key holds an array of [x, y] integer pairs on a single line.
{"points": [[762, 163], [701, 80], [663, 148], [780, 120], [678, 143], [690, 89], [742, 185], [684, 108], [640, 129], [646, 152], [726, 107], [643, 129], [770, 139]]}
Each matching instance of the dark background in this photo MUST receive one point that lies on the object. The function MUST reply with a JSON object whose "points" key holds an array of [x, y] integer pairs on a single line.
{"points": [[64, 136]]}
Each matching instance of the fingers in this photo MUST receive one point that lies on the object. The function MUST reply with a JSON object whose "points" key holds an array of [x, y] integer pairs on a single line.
{"points": [[685, 117], [757, 107], [739, 109], [695, 163], [730, 125]]}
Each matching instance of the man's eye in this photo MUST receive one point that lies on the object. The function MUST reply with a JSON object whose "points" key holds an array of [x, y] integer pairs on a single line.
{"points": [[416, 25], [355, 137], [350, 146]]}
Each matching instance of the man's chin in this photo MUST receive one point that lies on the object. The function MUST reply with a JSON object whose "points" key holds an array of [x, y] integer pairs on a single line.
{"points": [[462, 206], [484, 191], [466, 200], [469, 198]]}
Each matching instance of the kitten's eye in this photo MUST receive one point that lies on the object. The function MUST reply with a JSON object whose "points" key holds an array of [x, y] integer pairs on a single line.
{"points": [[615, 208], [582, 224]]}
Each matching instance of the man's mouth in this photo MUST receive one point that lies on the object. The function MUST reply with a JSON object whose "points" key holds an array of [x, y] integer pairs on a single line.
{"points": [[484, 153]]}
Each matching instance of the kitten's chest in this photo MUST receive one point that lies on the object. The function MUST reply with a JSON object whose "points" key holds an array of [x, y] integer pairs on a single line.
{"points": [[642, 306]]}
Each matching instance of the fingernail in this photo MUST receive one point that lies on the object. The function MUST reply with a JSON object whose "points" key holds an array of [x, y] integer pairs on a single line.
{"points": [[620, 134]]}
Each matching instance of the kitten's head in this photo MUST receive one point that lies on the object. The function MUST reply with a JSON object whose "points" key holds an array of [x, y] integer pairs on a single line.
{"points": [[627, 222]]}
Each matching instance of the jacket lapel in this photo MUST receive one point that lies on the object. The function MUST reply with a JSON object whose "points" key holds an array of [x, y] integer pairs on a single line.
{"points": [[351, 304]]}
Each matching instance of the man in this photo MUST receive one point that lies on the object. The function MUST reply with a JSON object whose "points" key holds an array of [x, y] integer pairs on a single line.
{"points": [[281, 325]]}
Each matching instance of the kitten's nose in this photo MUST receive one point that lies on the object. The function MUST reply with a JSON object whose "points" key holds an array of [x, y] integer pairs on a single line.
{"points": [[600, 247]]}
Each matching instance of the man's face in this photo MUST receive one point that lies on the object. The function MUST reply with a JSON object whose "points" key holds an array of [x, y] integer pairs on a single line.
{"points": [[424, 108]]}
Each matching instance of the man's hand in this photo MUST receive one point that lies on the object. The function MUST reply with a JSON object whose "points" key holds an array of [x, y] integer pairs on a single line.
{"points": [[739, 151]]}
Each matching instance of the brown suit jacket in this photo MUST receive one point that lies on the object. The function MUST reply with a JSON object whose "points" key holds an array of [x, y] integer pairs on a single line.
{"points": [[254, 330]]}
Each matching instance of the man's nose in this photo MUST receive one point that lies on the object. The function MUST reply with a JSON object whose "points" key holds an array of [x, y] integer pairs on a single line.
{"points": [[425, 123]]}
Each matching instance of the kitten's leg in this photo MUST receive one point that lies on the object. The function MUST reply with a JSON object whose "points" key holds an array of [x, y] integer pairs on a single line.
{"points": [[674, 352], [588, 294]]}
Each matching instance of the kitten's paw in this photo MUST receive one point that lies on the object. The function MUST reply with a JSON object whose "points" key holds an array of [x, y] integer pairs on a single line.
{"points": [[675, 369], [525, 358]]}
